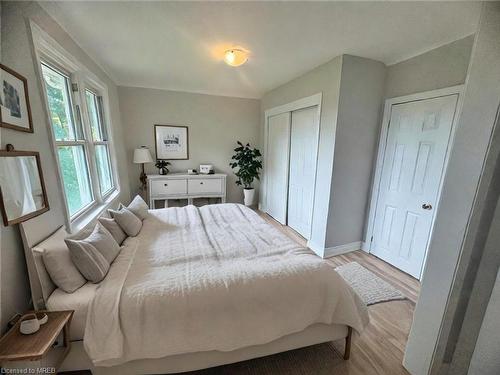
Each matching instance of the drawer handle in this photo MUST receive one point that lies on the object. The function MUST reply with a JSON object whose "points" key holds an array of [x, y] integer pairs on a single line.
{"points": [[165, 184], [201, 183]]}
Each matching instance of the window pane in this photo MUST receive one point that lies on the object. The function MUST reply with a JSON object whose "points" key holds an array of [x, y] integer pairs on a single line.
{"points": [[75, 177], [58, 96], [95, 115], [103, 168]]}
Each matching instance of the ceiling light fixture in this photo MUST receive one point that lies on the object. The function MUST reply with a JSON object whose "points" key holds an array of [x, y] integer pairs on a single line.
{"points": [[235, 57]]}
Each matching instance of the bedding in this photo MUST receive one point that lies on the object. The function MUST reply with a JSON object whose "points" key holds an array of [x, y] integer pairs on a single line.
{"points": [[128, 221], [89, 261], [138, 207], [112, 226], [79, 302], [57, 260], [211, 278], [100, 240]]}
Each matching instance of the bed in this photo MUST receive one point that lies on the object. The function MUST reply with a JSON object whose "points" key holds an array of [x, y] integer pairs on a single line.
{"points": [[197, 288]]}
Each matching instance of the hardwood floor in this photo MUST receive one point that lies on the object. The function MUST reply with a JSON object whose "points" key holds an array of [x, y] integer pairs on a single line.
{"points": [[380, 348]]}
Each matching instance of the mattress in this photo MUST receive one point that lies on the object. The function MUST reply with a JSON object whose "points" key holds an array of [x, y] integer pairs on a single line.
{"points": [[215, 278], [78, 301]]}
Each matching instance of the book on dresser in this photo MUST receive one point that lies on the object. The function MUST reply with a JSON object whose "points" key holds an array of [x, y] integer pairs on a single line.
{"points": [[185, 186]]}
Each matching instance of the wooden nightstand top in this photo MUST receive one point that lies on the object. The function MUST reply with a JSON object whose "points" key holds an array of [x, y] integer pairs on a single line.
{"points": [[14, 346]]}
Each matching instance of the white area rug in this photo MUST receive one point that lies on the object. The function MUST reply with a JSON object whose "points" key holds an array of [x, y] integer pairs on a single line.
{"points": [[371, 288]]}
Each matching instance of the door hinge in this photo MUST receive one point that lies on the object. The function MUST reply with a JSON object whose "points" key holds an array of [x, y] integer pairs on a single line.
{"points": [[371, 239], [74, 87]]}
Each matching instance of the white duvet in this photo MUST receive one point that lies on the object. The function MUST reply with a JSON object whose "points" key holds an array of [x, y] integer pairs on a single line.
{"points": [[212, 278]]}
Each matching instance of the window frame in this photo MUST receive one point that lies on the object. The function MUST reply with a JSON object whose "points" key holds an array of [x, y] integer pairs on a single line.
{"points": [[91, 86], [74, 108], [50, 53]]}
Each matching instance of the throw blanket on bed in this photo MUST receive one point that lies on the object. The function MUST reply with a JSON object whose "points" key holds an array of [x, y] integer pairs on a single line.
{"points": [[212, 278]]}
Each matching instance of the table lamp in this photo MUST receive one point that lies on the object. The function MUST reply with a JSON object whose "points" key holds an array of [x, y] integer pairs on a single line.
{"points": [[141, 156]]}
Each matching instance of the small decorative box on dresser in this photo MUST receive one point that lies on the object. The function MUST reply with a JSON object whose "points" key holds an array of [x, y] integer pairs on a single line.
{"points": [[37, 351], [186, 186]]}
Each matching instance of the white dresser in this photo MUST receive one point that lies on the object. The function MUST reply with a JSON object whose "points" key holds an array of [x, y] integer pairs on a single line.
{"points": [[185, 186]]}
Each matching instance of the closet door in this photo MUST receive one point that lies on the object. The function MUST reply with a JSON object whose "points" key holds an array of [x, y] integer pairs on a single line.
{"points": [[277, 158], [303, 153]]}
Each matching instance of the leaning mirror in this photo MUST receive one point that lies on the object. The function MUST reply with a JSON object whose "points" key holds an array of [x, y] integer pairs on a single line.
{"points": [[22, 190]]}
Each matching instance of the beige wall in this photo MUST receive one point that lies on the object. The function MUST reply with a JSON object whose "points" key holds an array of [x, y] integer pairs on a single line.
{"points": [[466, 162], [358, 127], [215, 124], [17, 53], [444, 66], [324, 79], [485, 360]]}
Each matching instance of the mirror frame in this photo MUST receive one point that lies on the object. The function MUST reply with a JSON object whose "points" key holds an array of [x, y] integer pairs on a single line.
{"points": [[6, 221]]}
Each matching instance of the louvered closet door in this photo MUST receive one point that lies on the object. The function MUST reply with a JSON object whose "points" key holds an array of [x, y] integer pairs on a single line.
{"points": [[416, 148], [276, 169], [303, 152]]}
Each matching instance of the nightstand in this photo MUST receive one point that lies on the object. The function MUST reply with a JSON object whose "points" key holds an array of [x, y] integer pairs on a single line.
{"points": [[37, 351]]}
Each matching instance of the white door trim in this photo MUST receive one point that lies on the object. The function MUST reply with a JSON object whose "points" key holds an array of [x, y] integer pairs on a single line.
{"points": [[309, 101], [454, 90], [283, 219]]}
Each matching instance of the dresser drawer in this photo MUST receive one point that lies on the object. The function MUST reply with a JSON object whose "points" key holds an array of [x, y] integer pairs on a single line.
{"points": [[205, 186], [169, 187]]}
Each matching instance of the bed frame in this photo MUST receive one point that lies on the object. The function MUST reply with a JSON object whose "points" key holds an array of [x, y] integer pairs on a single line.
{"points": [[40, 228]]}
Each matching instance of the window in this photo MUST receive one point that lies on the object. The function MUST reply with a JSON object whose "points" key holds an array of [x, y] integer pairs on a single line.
{"points": [[100, 140], [81, 138]]}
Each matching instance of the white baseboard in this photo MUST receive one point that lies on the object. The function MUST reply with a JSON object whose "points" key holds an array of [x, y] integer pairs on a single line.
{"points": [[319, 250], [365, 246], [342, 249]]}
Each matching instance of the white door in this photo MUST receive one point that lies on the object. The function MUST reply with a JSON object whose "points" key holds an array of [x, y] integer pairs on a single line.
{"points": [[278, 145], [417, 143], [303, 151]]}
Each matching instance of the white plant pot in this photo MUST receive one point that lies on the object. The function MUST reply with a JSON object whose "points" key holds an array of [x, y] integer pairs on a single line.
{"points": [[249, 196]]}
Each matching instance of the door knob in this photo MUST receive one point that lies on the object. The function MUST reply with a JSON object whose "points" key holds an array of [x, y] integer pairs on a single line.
{"points": [[427, 206]]}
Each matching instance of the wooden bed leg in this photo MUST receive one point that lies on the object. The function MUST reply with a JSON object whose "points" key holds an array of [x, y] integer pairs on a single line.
{"points": [[347, 352]]}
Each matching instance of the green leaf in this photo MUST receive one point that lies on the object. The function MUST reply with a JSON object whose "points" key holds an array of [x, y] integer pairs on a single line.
{"points": [[247, 163]]}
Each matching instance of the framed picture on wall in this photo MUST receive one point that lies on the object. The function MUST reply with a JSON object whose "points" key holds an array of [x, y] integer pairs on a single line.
{"points": [[15, 111], [171, 142]]}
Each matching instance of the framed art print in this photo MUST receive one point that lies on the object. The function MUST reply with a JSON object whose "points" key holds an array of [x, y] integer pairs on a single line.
{"points": [[171, 142], [15, 111]]}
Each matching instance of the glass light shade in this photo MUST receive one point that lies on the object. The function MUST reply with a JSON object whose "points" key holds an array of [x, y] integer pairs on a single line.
{"points": [[142, 155], [235, 57]]}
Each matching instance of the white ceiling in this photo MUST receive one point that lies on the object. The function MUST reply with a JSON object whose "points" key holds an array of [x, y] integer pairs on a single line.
{"points": [[178, 45]]}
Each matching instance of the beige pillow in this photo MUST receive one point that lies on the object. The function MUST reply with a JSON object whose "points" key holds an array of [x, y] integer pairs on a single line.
{"points": [[57, 260], [138, 207], [130, 223], [112, 226], [89, 261], [104, 242]]}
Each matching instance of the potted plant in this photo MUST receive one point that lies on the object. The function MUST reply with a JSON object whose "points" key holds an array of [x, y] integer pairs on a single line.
{"points": [[162, 166], [247, 162]]}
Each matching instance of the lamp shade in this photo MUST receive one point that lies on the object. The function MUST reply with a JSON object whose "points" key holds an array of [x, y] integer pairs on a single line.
{"points": [[142, 155]]}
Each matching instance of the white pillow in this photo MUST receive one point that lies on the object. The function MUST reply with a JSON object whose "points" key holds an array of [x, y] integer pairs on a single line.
{"points": [[89, 261], [112, 226], [130, 223], [104, 242], [138, 207], [57, 260]]}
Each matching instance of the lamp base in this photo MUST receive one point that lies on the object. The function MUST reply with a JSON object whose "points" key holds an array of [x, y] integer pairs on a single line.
{"points": [[143, 178]]}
